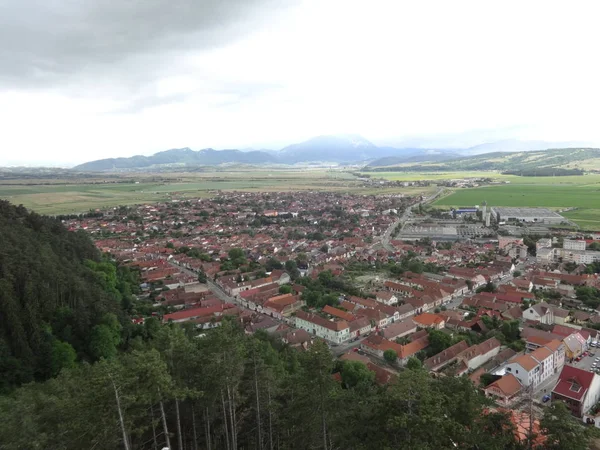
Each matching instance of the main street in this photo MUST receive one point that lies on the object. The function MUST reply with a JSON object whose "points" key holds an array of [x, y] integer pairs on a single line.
{"points": [[387, 236]]}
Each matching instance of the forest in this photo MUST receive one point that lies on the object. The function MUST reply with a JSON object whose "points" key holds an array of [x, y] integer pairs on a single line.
{"points": [[77, 374]]}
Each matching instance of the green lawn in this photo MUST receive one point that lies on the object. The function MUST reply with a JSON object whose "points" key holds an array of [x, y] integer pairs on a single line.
{"points": [[586, 218], [555, 193]]}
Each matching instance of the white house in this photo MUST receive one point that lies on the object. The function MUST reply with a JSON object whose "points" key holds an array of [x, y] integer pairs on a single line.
{"points": [[385, 297], [334, 331], [526, 369], [541, 312]]}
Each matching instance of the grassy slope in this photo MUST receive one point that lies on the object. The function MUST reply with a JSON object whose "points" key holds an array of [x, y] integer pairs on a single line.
{"points": [[583, 158]]}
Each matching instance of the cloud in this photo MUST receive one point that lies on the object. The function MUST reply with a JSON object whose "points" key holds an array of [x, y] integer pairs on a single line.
{"points": [[58, 43]]}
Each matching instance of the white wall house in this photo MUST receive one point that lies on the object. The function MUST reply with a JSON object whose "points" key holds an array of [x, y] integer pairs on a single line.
{"points": [[333, 331]]}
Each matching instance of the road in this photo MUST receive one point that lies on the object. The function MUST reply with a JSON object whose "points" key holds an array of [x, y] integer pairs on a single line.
{"points": [[387, 236]]}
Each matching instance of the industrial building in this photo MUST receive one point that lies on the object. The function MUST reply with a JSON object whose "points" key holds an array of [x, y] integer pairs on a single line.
{"points": [[532, 215]]}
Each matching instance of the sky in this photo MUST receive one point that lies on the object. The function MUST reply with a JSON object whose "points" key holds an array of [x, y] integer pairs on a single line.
{"points": [[89, 79]]}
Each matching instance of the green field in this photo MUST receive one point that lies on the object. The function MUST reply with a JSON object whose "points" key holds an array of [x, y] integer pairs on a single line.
{"points": [[556, 193], [77, 196]]}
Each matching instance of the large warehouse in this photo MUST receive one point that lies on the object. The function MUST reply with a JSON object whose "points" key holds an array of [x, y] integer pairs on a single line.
{"points": [[537, 215]]}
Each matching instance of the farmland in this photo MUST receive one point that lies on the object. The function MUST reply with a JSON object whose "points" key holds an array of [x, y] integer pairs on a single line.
{"points": [[68, 196], [558, 193]]}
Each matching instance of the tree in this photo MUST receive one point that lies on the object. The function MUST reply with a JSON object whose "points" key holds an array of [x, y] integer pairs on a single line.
{"points": [[561, 430], [63, 356], [438, 341], [390, 356], [355, 373], [517, 273], [285, 289], [103, 343], [202, 278], [414, 363], [489, 287], [272, 264]]}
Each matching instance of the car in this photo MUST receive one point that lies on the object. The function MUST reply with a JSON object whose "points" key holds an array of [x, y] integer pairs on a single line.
{"points": [[578, 359], [546, 398], [597, 359], [594, 365]]}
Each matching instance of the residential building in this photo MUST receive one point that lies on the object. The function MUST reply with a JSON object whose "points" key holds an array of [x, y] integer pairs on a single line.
{"points": [[578, 389], [386, 297], [399, 329], [526, 369], [427, 320], [569, 244], [334, 331], [445, 357], [504, 390], [575, 345]]}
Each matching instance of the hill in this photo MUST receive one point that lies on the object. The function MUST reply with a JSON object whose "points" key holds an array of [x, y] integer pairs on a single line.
{"points": [[54, 292], [530, 161], [179, 156]]}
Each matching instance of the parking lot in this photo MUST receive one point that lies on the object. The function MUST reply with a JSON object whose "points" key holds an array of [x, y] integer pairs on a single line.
{"points": [[587, 362]]}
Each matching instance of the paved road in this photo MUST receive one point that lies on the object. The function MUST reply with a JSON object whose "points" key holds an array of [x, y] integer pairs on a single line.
{"points": [[387, 236]]}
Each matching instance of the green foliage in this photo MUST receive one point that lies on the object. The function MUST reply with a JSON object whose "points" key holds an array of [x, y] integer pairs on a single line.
{"points": [[272, 264], [489, 287], [63, 357], [355, 373], [438, 342], [589, 295], [202, 278], [54, 285], [285, 289], [390, 356], [562, 431], [487, 378], [517, 273], [414, 363]]}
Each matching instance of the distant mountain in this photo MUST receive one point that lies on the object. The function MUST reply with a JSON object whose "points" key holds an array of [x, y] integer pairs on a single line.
{"points": [[562, 158], [343, 149], [339, 149], [179, 156]]}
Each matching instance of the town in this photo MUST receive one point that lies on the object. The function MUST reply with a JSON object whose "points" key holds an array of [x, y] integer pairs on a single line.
{"points": [[517, 315]]}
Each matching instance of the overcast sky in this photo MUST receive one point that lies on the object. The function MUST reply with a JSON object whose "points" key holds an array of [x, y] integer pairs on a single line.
{"points": [[88, 79]]}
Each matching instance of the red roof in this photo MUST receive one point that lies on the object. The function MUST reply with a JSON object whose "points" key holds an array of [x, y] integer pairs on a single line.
{"points": [[573, 383]]}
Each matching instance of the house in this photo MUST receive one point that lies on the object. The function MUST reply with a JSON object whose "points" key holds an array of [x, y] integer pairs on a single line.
{"points": [[504, 390], [525, 368], [377, 345], [360, 326], [386, 297], [283, 305], [405, 311], [540, 312], [558, 349], [578, 389], [427, 320], [399, 329], [297, 339], [334, 331], [445, 357], [338, 313], [477, 355], [575, 345]]}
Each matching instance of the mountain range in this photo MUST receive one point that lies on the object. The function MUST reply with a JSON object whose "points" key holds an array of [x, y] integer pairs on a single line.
{"points": [[328, 149]]}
